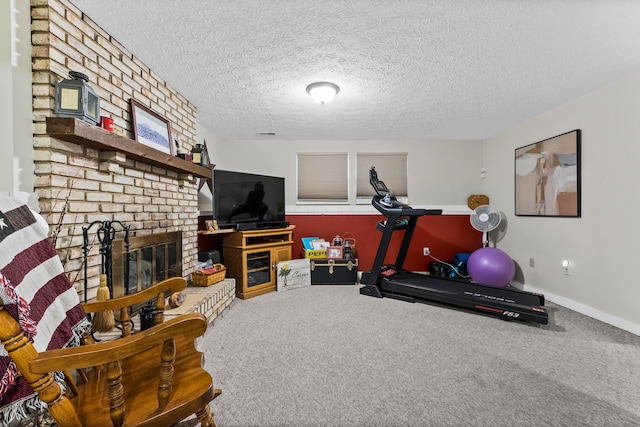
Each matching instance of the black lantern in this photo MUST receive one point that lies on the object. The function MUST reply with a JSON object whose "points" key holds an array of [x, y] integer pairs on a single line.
{"points": [[75, 98], [199, 155]]}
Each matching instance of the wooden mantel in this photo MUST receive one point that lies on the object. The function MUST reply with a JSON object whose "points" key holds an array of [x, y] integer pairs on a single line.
{"points": [[88, 135]]}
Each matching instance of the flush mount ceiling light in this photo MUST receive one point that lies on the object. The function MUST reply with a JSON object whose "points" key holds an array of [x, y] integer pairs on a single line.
{"points": [[323, 92]]}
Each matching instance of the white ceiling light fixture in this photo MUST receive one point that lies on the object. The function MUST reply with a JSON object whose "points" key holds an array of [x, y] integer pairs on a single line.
{"points": [[323, 92]]}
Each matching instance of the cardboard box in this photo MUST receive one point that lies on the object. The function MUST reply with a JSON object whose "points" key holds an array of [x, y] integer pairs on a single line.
{"points": [[315, 253], [293, 274]]}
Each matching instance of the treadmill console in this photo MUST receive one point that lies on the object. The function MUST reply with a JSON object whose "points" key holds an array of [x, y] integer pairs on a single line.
{"points": [[384, 194], [379, 186], [387, 204]]}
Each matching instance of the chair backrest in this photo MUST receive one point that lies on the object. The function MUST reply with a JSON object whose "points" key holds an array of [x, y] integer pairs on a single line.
{"points": [[127, 370], [42, 325]]}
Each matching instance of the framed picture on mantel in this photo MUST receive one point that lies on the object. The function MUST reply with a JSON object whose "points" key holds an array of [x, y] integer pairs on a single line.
{"points": [[150, 128]]}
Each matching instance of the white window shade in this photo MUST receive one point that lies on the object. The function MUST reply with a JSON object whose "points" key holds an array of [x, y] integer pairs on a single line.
{"points": [[391, 168], [323, 177]]}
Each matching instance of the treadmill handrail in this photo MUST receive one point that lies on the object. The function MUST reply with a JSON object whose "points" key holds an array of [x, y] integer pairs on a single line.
{"points": [[403, 210]]}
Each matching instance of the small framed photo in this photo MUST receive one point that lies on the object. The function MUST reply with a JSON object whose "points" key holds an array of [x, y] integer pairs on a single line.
{"points": [[150, 128], [334, 252], [320, 245], [209, 225]]}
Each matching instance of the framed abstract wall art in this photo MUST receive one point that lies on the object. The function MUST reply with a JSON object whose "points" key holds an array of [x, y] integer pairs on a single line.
{"points": [[547, 177]]}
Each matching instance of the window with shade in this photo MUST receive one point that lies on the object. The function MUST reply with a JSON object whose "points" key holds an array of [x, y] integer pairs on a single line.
{"points": [[323, 178], [391, 168]]}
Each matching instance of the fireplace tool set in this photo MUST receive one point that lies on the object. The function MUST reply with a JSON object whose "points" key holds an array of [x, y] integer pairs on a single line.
{"points": [[105, 233]]}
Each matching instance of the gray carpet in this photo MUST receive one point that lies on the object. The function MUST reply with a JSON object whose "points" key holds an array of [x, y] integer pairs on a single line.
{"points": [[328, 356]]}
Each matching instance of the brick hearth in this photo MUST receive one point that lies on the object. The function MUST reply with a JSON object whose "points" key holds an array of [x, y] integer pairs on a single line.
{"points": [[211, 301]]}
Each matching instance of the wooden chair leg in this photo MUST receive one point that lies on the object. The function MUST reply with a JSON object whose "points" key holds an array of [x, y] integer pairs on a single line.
{"points": [[205, 417]]}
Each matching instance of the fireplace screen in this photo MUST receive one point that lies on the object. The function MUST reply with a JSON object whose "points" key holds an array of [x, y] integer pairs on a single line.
{"points": [[152, 258]]}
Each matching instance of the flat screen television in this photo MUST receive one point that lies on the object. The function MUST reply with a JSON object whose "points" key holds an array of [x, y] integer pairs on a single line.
{"points": [[247, 201]]}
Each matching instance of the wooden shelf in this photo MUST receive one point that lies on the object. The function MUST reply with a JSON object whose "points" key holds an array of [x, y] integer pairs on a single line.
{"points": [[87, 135], [221, 231]]}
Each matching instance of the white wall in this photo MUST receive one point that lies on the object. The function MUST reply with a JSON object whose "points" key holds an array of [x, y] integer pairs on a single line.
{"points": [[602, 244], [204, 135], [440, 172], [6, 112], [16, 121]]}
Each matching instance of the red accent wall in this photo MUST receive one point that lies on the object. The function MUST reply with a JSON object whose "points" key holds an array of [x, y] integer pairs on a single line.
{"points": [[445, 235]]}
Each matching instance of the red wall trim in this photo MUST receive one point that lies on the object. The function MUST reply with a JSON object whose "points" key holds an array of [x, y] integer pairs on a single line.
{"points": [[445, 235]]}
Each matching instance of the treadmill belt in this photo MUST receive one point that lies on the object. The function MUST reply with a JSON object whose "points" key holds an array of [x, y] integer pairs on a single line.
{"points": [[439, 285], [509, 304]]}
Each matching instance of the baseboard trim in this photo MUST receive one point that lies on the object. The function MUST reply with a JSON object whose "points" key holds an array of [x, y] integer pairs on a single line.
{"points": [[587, 310], [625, 325]]}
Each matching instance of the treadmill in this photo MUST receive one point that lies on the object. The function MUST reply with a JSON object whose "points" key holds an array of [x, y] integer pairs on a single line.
{"points": [[392, 281]]}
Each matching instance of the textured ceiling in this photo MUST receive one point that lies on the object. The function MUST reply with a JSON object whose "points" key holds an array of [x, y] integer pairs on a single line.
{"points": [[407, 69]]}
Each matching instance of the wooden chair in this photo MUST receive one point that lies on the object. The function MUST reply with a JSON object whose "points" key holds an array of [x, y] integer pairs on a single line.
{"points": [[151, 378]]}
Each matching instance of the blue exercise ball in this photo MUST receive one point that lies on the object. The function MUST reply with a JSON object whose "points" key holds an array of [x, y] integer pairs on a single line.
{"points": [[491, 267]]}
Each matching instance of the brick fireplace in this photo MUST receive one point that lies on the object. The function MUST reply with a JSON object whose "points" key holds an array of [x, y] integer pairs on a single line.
{"points": [[148, 260], [79, 181]]}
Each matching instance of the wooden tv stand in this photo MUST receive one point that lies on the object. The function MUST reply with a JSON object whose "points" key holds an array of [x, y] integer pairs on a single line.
{"points": [[252, 258]]}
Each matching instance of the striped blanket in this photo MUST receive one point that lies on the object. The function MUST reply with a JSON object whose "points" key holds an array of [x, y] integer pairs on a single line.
{"points": [[34, 290]]}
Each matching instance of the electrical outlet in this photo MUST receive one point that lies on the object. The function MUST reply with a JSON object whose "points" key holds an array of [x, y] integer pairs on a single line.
{"points": [[565, 266], [532, 262], [425, 251]]}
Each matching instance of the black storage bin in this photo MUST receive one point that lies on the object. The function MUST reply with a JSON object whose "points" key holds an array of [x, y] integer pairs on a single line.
{"points": [[334, 271], [448, 270]]}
